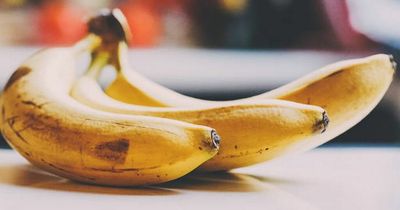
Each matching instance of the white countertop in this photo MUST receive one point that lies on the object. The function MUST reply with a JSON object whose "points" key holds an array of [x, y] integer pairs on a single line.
{"points": [[327, 178]]}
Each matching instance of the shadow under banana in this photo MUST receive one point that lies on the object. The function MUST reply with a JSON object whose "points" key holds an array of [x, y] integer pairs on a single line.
{"points": [[29, 176], [24, 175], [216, 182]]}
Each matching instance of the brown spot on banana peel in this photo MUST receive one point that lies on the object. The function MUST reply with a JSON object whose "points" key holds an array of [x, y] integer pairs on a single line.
{"points": [[241, 154], [247, 153], [122, 170], [36, 122], [321, 125], [17, 75], [115, 151], [10, 122], [31, 103]]}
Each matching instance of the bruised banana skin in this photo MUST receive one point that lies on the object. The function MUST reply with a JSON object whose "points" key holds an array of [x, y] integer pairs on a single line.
{"points": [[60, 135], [252, 132], [347, 90]]}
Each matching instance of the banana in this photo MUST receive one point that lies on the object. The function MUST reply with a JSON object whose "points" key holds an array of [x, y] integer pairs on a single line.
{"points": [[131, 87], [58, 134], [347, 90], [253, 132]]}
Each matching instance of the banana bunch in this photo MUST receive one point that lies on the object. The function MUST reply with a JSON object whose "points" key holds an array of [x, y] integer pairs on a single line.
{"points": [[348, 90], [138, 132]]}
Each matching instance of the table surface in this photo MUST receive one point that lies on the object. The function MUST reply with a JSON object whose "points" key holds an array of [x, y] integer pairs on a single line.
{"points": [[326, 178]]}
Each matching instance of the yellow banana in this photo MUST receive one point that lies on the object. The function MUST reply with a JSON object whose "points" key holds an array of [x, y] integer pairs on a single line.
{"points": [[347, 90], [58, 134], [253, 132], [131, 87]]}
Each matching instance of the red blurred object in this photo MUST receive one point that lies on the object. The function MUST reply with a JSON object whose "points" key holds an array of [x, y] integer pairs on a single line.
{"points": [[337, 13], [60, 23], [144, 20]]}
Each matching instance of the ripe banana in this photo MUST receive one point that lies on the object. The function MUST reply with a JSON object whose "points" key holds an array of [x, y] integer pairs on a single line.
{"points": [[253, 132], [58, 134], [347, 90]]}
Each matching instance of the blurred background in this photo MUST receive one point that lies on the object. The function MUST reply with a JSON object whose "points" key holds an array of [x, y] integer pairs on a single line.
{"points": [[225, 49]]}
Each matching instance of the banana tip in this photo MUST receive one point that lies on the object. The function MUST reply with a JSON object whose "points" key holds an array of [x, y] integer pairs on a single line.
{"points": [[325, 121], [216, 139], [322, 124], [393, 62]]}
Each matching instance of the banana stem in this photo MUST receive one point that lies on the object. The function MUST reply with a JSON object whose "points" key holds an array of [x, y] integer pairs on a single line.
{"points": [[87, 44], [97, 64], [108, 34], [120, 59], [101, 57]]}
